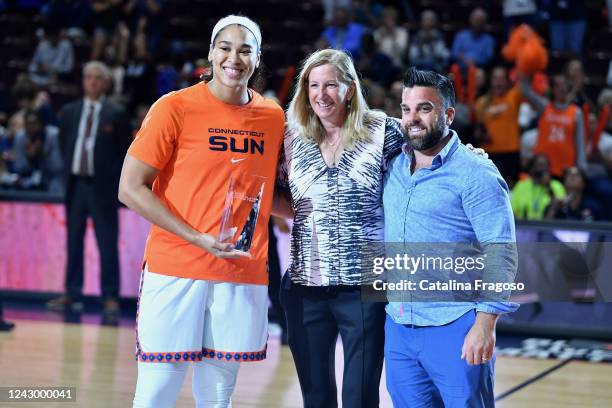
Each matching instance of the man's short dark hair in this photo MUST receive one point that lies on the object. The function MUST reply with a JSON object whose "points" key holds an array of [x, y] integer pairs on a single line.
{"points": [[431, 79]]}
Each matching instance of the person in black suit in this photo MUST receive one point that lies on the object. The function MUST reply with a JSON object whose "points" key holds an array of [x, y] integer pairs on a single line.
{"points": [[95, 135]]}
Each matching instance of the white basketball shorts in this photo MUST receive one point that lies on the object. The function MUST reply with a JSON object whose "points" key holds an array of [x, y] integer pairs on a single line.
{"points": [[181, 319]]}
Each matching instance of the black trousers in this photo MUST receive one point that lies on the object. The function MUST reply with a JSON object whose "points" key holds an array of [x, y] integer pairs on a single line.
{"points": [[83, 203], [315, 317]]}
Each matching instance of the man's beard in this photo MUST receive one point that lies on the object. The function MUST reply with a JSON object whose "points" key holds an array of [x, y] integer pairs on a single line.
{"points": [[430, 139]]}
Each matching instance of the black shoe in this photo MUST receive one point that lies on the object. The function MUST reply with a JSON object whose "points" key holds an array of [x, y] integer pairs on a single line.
{"points": [[64, 302], [6, 326], [111, 306]]}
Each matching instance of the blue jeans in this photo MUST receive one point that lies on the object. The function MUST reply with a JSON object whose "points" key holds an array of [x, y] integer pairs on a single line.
{"points": [[424, 367], [567, 35]]}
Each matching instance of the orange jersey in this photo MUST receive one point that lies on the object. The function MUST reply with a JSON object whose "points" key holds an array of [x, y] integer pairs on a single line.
{"points": [[199, 143], [500, 117], [557, 137]]}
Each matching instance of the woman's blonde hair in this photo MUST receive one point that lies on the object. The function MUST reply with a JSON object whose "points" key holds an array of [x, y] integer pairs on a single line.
{"points": [[359, 119]]}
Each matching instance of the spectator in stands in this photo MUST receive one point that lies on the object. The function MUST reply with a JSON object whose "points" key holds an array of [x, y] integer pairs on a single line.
{"points": [[375, 65], [53, 58], [168, 69], [576, 77], [108, 16], [473, 45], [375, 94], [599, 171], [605, 98], [567, 25], [140, 113], [576, 205], [428, 51], [167, 77], [144, 18], [560, 128], [367, 13], [117, 68], [517, 12], [329, 7], [27, 96], [9, 177], [95, 136], [531, 197], [498, 111], [392, 108], [343, 34], [599, 167], [71, 15], [139, 80], [605, 141], [6, 158], [37, 156], [5, 105], [529, 138], [391, 39]]}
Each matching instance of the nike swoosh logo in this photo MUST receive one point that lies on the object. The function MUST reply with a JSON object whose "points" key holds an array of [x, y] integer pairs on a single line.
{"points": [[237, 160]]}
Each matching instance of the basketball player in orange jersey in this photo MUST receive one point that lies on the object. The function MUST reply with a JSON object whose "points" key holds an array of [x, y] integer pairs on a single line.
{"points": [[202, 301], [560, 129]]}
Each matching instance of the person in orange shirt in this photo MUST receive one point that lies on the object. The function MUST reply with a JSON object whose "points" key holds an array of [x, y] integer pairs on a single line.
{"points": [[205, 155], [498, 111], [560, 128]]}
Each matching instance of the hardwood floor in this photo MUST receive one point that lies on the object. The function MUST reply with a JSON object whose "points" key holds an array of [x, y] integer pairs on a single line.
{"points": [[98, 361]]}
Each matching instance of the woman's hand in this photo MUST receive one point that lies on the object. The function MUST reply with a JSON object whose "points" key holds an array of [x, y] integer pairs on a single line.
{"points": [[217, 248], [135, 192], [477, 151]]}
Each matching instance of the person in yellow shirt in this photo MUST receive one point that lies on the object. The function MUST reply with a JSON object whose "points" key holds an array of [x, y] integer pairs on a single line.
{"points": [[531, 197]]}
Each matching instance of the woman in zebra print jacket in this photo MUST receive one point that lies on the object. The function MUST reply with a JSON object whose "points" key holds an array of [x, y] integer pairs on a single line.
{"points": [[335, 153]]}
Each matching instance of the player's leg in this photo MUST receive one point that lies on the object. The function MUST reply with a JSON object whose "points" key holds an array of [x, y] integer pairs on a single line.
{"points": [[159, 384], [169, 325], [235, 331], [214, 382]]}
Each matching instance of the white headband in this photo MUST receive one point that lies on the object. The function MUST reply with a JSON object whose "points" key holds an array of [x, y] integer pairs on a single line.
{"points": [[243, 21]]}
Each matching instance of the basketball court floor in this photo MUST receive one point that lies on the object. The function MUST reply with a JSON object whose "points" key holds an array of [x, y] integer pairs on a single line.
{"points": [[48, 349]]}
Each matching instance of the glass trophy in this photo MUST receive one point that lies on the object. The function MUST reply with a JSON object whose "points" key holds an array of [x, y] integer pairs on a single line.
{"points": [[241, 212]]}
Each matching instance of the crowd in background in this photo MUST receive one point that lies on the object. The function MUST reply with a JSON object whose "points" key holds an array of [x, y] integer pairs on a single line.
{"points": [[550, 136]]}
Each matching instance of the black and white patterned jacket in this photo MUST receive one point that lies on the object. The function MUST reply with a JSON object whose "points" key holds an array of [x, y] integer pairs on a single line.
{"points": [[338, 210]]}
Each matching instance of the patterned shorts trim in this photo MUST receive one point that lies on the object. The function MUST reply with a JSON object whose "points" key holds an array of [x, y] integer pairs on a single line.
{"points": [[241, 301], [199, 355]]}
